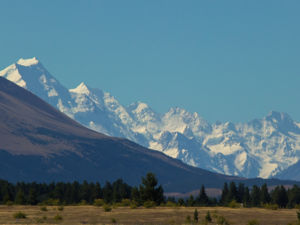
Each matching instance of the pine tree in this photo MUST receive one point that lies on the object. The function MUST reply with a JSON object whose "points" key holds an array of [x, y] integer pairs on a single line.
{"points": [[241, 192], [279, 196], [190, 201], [196, 215], [264, 194], [149, 191], [108, 192], [203, 199], [135, 195], [255, 196], [75, 190], [20, 198], [208, 217], [232, 195], [225, 193], [32, 197], [247, 197]]}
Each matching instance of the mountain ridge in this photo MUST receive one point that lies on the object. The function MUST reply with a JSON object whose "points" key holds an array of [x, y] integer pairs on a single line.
{"points": [[262, 147]]}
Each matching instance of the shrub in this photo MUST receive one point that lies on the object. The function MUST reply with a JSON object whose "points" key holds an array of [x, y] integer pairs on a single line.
{"points": [[125, 202], [58, 217], [113, 220], [106, 208], [99, 202], [149, 204], [51, 201], [171, 204], [253, 222], [39, 220], [133, 205], [60, 208], [188, 219], [208, 217], [222, 221], [271, 206], [44, 208], [83, 202], [9, 203], [20, 215], [298, 215], [234, 204], [196, 215]]}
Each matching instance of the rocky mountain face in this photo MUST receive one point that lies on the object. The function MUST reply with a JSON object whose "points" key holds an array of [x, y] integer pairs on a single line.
{"points": [[260, 148], [39, 143]]}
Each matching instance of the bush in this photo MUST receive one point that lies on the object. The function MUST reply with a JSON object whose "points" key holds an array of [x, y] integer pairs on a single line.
{"points": [[41, 220], [51, 201], [44, 208], [298, 215], [133, 205], [125, 202], [188, 219], [271, 206], [149, 204], [58, 217], [171, 204], [83, 202], [196, 215], [234, 204], [208, 217], [106, 208], [9, 203], [253, 222], [99, 202], [222, 221], [20, 215], [113, 220], [60, 208]]}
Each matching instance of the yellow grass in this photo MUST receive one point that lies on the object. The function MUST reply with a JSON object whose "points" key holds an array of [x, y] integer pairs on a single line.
{"points": [[125, 215]]}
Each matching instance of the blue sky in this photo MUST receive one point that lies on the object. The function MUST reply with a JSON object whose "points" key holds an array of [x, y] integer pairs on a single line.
{"points": [[226, 60]]}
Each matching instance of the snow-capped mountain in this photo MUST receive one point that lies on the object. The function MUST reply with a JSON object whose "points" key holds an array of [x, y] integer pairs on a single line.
{"points": [[261, 148]]}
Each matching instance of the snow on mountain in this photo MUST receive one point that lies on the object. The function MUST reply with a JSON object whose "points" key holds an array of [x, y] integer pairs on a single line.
{"points": [[262, 147]]}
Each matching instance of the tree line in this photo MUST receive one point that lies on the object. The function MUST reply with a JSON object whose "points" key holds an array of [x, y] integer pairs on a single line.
{"points": [[69, 193], [86, 192], [240, 195]]}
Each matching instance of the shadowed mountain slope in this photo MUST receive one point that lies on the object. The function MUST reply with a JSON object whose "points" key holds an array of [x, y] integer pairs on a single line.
{"points": [[39, 143]]}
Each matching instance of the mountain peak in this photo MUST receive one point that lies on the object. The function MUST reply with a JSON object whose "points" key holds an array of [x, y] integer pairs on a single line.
{"points": [[28, 62], [278, 116], [81, 89]]}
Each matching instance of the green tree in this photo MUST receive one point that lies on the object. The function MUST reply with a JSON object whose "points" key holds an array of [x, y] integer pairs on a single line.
{"points": [[75, 192], [149, 191], [247, 197], [293, 196], [264, 194], [135, 195], [190, 201], [20, 198], [196, 215], [32, 196], [241, 192], [108, 192], [255, 196], [202, 199], [225, 192], [233, 193], [279, 196], [208, 217]]}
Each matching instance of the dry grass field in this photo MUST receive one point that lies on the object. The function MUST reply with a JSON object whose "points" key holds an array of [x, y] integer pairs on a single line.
{"points": [[124, 215]]}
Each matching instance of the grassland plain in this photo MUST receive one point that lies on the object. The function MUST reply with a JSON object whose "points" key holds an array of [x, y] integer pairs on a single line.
{"points": [[125, 215]]}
